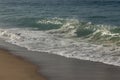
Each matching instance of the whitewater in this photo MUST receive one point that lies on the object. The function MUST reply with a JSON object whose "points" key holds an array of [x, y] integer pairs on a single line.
{"points": [[81, 29], [66, 41]]}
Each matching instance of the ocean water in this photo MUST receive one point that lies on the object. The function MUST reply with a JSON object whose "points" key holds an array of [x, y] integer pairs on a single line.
{"points": [[82, 29]]}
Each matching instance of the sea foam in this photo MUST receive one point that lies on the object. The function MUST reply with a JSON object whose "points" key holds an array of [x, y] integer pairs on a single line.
{"points": [[44, 41]]}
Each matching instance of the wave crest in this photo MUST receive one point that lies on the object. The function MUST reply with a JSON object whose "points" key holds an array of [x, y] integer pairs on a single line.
{"points": [[44, 42], [70, 40], [86, 30]]}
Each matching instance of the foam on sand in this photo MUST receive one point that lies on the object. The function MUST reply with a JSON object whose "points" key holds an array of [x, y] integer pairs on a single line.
{"points": [[44, 41]]}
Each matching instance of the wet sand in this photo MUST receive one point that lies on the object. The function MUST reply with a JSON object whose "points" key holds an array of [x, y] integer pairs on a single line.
{"points": [[56, 67], [15, 68]]}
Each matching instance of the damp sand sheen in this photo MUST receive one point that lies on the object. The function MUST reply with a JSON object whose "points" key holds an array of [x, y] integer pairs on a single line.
{"points": [[15, 68]]}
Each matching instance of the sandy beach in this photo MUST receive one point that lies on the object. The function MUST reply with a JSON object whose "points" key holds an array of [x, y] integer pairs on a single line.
{"points": [[15, 68], [53, 67]]}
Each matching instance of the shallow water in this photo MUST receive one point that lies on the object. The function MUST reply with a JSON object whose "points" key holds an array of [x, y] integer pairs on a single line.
{"points": [[56, 43], [60, 68]]}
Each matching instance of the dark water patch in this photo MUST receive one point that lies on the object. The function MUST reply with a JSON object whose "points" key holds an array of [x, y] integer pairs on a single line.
{"points": [[34, 23], [115, 30], [97, 17], [114, 39], [104, 2], [84, 32]]}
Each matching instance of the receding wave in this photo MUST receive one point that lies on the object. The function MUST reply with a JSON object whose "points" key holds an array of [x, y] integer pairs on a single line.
{"points": [[73, 39]]}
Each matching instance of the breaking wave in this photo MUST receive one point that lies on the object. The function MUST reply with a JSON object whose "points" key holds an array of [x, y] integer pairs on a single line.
{"points": [[87, 30], [72, 38]]}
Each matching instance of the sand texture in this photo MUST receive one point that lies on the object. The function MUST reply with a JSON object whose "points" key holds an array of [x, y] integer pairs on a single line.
{"points": [[15, 68]]}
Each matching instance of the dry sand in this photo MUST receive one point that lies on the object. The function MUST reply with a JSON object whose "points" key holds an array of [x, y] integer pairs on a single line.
{"points": [[15, 68]]}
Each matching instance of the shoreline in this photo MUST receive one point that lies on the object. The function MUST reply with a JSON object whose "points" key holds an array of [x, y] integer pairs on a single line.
{"points": [[14, 67], [57, 67]]}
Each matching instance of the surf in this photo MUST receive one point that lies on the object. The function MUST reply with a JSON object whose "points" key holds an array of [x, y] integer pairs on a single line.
{"points": [[71, 38]]}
